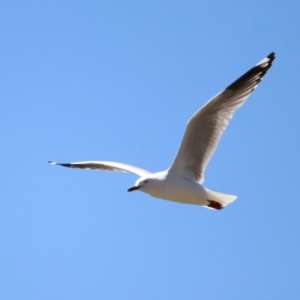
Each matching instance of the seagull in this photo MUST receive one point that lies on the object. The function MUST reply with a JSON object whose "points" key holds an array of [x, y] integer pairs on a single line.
{"points": [[182, 182]]}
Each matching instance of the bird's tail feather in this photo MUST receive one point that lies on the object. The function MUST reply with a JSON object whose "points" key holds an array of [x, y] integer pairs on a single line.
{"points": [[223, 199]]}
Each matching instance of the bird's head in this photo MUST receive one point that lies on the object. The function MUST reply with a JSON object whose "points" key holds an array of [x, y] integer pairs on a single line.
{"points": [[140, 184]]}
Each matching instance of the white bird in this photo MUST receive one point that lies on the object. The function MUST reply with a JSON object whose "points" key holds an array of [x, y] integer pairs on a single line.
{"points": [[182, 182]]}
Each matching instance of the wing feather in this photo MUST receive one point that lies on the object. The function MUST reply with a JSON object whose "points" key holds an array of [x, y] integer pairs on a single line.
{"points": [[104, 166], [206, 126]]}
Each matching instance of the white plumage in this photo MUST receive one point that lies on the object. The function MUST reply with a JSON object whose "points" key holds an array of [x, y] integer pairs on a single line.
{"points": [[182, 181]]}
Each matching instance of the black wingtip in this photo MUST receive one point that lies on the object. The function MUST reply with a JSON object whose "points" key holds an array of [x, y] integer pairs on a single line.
{"points": [[254, 75], [272, 56], [59, 164], [266, 62]]}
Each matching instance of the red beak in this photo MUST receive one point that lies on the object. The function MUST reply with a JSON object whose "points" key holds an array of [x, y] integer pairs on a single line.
{"points": [[133, 188]]}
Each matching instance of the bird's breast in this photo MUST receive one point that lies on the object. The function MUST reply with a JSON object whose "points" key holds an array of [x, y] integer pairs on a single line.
{"points": [[179, 190]]}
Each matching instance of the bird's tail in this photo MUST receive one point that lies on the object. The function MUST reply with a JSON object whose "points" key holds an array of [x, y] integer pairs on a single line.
{"points": [[215, 198]]}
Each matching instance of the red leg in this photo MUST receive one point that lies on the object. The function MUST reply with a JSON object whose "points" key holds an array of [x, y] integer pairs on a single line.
{"points": [[215, 204]]}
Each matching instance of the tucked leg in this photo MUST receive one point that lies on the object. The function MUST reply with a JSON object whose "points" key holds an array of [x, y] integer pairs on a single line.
{"points": [[215, 204]]}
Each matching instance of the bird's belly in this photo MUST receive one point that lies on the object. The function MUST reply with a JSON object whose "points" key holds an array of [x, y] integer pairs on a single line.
{"points": [[190, 193]]}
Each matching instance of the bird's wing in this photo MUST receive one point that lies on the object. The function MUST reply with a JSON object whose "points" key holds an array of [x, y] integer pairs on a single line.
{"points": [[105, 166], [206, 126]]}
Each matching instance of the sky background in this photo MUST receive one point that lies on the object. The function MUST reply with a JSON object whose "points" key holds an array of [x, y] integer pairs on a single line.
{"points": [[118, 80]]}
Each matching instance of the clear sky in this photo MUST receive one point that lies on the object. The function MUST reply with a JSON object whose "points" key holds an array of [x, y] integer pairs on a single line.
{"points": [[118, 80]]}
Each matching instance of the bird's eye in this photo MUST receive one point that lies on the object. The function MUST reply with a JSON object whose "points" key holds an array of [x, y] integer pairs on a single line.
{"points": [[146, 181]]}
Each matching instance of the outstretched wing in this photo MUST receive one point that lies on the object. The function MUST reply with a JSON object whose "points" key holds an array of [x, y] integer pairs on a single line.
{"points": [[105, 166], [206, 126]]}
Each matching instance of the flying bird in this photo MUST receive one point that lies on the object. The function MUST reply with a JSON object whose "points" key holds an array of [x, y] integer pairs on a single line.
{"points": [[182, 182]]}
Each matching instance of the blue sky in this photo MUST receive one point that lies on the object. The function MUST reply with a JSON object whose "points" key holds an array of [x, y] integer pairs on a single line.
{"points": [[118, 80]]}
